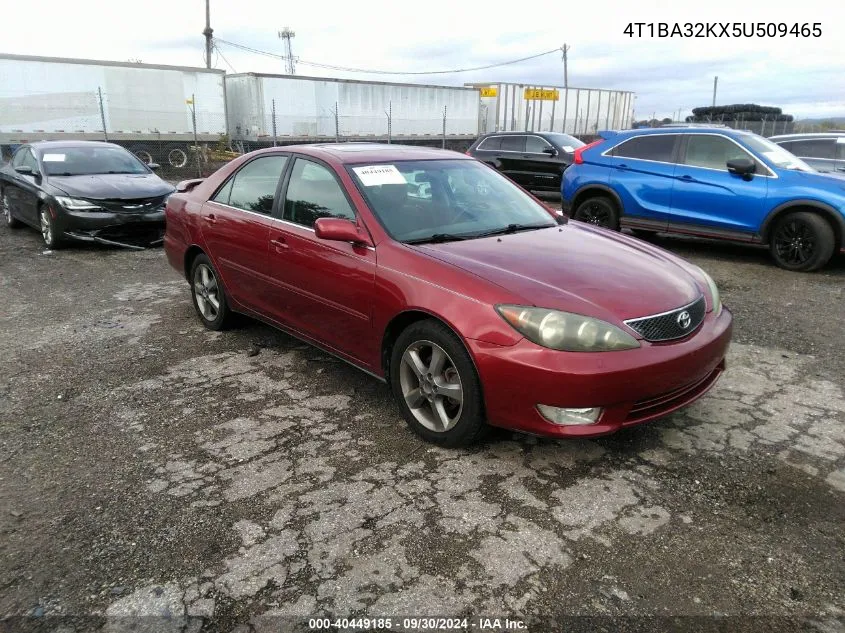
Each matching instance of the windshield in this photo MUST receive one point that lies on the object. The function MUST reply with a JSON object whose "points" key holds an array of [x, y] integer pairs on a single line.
{"points": [[442, 200], [567, 143], [776, 154], [84, 161]]}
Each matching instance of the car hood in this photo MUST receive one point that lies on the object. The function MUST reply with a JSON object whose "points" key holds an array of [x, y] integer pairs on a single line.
{"points": [[577, 268], [111, 186]]}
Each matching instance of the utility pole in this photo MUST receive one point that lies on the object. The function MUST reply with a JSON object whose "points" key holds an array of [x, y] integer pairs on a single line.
{"points": [[565, 49], [715, 83], [207, 32], [287, 35]]}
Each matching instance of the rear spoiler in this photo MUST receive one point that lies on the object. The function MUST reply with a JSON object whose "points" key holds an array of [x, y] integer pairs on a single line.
{"points": [[187, 185], [607, 134]]}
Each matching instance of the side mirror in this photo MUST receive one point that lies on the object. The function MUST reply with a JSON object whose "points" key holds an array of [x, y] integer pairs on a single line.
{"points": [[25, 170], [340, 230], [154, 166], [551, 151], [742, 167]]}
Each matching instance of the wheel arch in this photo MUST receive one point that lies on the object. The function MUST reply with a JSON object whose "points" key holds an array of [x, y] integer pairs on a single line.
{"points": [[587, 190], [833, 217], [402, 321], [191, 254]]}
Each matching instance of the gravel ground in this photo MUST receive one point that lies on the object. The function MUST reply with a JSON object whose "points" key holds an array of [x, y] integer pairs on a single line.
{"points": [[227, 482]]}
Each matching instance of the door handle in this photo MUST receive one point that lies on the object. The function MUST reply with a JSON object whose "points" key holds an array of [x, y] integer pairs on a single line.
{"points": [[279, 244], [687, 178], [210, 218], [622, 166]]}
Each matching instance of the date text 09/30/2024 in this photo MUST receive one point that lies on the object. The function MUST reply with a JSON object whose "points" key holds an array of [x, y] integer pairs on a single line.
{"points": [[417, 624], [723, 29]]}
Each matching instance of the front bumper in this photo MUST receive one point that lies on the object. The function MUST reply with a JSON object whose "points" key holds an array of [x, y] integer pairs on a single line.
{"points": [[632, 386], [132, 230]]}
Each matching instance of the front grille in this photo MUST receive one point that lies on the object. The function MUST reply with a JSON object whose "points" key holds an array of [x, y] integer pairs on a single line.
{"points": [[139, 205], [670, 325]]}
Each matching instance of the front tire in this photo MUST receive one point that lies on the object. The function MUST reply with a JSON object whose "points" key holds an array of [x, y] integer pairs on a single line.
{"points": [[435, 384], [208, 296], [12, 223], [600, 211], [52, 239], [802, 242]]}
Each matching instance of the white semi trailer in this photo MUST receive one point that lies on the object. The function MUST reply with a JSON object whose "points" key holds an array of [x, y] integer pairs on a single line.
{"points": [[143, 107]]}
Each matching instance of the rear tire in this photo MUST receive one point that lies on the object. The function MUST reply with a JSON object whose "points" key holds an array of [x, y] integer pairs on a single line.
{"points": [[435, 385], [802, 241], [12, 223], [599, 211], [208, 295]]}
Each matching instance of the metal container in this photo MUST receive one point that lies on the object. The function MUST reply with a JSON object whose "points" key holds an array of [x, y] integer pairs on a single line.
{"points": [[308, 108], [53, 98], [543, 108]]}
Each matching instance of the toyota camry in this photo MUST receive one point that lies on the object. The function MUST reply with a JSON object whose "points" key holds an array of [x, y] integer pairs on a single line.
{"points": [[431, 271]]}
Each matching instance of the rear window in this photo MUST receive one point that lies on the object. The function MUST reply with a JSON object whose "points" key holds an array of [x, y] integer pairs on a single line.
{"points": [[658, 147], [493, 143], [814, 148], [513, 143]]}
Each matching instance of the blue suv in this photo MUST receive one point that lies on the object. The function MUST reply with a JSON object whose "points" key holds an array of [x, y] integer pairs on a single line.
{"points": [[711, 182]]}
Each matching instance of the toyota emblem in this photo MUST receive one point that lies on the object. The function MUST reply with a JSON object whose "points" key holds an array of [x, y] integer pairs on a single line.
{"points": [[684, 320]]}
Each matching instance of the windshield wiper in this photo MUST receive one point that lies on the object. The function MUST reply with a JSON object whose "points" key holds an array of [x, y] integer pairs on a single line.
{"points": [[122, 172], [513, 228], [437, 238]]}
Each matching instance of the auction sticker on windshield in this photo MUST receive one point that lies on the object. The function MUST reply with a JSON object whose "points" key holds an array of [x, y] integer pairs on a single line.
{"points": [[54, 158], [374, 175]]}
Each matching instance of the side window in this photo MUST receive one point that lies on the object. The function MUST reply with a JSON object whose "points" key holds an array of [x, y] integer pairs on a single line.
{"points": [[494, 143], [17, 159], [815, 148], [652, 147], [535, 145], [712, 152], [314, 192], [840, 148], [513, 143], [253, 187], [788, 146]]}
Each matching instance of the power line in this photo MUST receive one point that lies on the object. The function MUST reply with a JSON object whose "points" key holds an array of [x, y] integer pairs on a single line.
{"points": [[386, 72], [219, 52]]}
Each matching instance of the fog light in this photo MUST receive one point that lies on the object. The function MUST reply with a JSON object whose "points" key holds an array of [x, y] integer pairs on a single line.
{"points": [[557, 415]]}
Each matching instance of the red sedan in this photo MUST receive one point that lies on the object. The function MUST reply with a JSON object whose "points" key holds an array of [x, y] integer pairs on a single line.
{"points": [[470, 298]]}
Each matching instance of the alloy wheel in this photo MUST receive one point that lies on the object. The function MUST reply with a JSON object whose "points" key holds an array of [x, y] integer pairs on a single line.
{"points": [[595, 213], [46, 227], [431, 386], [795, 242], [207, 292]]}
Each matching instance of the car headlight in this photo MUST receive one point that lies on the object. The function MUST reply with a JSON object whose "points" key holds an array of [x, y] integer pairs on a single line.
{"points": [[76, 204], [715, 298], [566, 331]]}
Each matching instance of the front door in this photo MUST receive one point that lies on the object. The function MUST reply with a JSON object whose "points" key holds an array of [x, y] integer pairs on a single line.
{"points": [[23, 196], [545, 168], [322, 288], [708, 198], [236, 224]]}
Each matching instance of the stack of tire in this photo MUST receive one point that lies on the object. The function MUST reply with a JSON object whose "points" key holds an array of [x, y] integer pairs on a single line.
{"points": [[738, 112]]}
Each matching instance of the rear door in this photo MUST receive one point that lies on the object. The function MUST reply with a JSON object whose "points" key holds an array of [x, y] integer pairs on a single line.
{"points": [[511, 161], [322, 288], [710, 200], [236, 224], [642, 174]]}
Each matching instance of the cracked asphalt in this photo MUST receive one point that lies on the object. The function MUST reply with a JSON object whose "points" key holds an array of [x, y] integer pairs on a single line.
{"points": [[156, 476]]}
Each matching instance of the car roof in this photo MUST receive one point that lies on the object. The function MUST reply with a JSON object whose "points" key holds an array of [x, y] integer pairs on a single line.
{"points": [[518, 133], [356, 153], [797, 136], [41, 145], [682, 130]]}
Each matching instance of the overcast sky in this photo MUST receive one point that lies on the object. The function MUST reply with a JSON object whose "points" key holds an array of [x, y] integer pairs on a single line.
{"points": [[804, 76]]}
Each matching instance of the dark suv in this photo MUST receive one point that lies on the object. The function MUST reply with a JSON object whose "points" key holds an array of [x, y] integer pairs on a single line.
{"points": [[533, 160], [823, 151]]}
